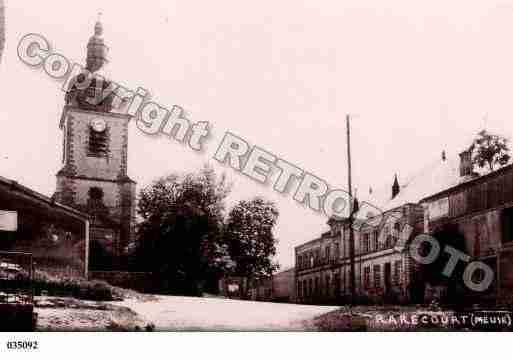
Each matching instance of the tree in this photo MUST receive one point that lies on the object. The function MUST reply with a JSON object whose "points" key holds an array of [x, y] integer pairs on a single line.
{"points": [[250, 239], [179, 237], [490, 149]]}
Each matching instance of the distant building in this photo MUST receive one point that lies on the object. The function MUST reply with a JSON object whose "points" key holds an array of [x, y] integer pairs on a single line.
{"points": [[261, 289], [283, 289], [280, 287]]}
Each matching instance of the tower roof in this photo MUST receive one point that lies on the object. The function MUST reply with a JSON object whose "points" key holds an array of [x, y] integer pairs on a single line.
{"points": [[86, 90], [97, 51]]}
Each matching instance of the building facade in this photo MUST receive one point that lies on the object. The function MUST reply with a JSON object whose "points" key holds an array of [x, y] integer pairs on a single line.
{"points": [[384, 271], [280, 287], [57, 236], [94, 175], [478, 212], [469, 211], [283, 289]]}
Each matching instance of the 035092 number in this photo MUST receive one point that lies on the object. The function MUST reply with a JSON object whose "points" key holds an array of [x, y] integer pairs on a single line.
{"points": [[22, 345]]}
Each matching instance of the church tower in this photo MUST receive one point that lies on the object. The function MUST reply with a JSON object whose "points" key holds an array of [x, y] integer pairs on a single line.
{"points": [[94, 174]]}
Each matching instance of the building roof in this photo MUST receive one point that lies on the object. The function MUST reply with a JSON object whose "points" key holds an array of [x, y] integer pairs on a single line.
{"points": [[471, 181], [437, 176], [434, 178], [15, 186]]}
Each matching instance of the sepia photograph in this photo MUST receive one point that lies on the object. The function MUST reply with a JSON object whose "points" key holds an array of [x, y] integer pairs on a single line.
{"points": [[294, 167]]}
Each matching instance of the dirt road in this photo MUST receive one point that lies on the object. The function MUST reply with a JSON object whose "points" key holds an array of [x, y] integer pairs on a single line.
{"points": [[214, 314]]}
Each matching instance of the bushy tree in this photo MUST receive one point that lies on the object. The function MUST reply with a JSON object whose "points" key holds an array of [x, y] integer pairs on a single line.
{"points": [[490, 150], [250, 239], [180, 236]]}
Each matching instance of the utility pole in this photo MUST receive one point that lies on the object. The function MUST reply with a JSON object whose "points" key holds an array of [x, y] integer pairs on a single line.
{"points": [[352, 280]]}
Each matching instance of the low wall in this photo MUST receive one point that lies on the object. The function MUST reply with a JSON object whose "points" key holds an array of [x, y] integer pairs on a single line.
{"points": [[140, 281]]}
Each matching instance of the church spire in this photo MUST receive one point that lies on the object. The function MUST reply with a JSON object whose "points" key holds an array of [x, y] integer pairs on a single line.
{"points": [[395, 187], [96, 49]]}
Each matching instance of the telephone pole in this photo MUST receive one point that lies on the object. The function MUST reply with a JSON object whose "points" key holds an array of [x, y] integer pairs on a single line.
{"points": [[352, 280]]}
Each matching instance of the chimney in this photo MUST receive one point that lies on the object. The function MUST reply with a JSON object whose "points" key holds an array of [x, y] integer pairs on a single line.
{"points": [[395, 187], [466, 163], [444, 157]]}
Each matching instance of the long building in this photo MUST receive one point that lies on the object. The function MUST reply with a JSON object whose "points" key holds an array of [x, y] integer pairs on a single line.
{"points": [[57, 236], [476, 215], [447, 199], [383, 267]]}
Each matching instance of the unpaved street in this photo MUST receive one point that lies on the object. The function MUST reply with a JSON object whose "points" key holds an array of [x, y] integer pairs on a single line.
{"points": [[216, 314]]}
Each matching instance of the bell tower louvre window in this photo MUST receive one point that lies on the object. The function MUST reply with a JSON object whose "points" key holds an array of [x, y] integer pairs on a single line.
{"points": [[98, 143]]}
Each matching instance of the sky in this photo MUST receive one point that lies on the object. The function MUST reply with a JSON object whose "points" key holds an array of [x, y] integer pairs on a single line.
{"points": [[416, 77]]}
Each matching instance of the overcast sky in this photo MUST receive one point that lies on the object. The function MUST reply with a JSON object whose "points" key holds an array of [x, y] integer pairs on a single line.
{"points": [[419, 77]]}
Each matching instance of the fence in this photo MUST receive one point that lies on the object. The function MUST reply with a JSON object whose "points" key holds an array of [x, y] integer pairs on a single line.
{"points": [[16, 274]]}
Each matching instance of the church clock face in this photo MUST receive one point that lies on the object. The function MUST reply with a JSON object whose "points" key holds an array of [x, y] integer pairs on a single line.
{"points": [[98, 125]]}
